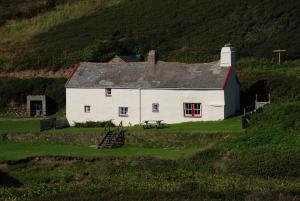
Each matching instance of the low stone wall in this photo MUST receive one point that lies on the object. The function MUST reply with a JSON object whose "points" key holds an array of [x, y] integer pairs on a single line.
{"points": [[82, 139], [138, 139]]}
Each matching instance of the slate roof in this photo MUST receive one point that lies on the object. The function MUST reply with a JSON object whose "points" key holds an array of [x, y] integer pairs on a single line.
{"points": [[147, 75], [126, 59]]}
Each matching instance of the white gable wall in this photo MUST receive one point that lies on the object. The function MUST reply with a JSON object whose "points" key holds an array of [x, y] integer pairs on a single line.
{"points": [[139, 103], [232, 94]]}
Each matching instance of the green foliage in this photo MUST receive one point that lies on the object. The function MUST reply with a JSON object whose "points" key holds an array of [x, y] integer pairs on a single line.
{"points": [[259, 65], [270, 147], [15, 9], [187, 31], [16, 89], [93, 124], [268, 161], [286, 115]]}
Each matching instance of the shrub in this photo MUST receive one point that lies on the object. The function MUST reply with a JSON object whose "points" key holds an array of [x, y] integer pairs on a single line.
{"points": [[95, 124]]}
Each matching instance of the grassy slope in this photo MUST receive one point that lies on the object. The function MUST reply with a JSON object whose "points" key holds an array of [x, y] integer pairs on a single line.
{"points": [[26, 29], [140, 142], [181, 30], [15, 151], [16, 9]]}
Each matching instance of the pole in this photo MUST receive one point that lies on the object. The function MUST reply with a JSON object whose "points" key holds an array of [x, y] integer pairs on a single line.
{"points": [[279, 52]]}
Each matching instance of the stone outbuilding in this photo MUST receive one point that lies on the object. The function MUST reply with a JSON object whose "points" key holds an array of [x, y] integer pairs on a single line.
{"points": [[36, 105]]}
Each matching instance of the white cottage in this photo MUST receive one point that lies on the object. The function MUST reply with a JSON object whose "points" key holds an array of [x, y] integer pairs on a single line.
{"points": [[133, 92]]}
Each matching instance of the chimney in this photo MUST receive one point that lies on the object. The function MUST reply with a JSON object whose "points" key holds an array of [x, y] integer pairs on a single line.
{"points": [[153, 57], [228, 56]]}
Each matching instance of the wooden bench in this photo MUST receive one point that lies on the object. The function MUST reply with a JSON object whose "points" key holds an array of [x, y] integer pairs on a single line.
{"points": [[153, 124]]}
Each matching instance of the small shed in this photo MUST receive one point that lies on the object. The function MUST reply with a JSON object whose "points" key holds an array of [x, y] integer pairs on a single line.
{"points": [[36, 105]]}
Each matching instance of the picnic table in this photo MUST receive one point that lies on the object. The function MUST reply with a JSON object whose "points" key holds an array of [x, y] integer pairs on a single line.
{"points": [[153, 124]]}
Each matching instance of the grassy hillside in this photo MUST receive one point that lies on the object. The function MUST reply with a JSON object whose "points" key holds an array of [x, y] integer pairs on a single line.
{"points": [[189, 31], [16, 9], [259, 164]]}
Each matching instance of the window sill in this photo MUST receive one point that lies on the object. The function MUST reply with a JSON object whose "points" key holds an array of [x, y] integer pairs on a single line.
{"points": [[195, 117]]}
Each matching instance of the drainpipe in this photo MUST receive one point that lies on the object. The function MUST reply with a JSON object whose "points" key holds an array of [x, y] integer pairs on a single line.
{"points": [[140, 103]]}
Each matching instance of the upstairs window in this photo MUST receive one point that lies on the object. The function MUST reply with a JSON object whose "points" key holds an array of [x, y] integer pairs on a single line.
{"points": [[87, 109], [193, 110], [123, 111], [108, 92], [155, 107]]}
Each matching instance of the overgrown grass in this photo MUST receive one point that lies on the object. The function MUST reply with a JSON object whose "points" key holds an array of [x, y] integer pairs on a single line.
{"points": [[288, 67], [25, 9], [182, 31], [22, 30]]}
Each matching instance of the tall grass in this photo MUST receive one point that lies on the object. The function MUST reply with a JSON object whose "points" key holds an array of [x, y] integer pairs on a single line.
{"points": [[261, 65], [22, 30]]}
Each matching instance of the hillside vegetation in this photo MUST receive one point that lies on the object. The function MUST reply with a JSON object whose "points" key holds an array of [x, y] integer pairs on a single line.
{"points": [[188, 31], [17, 9]]}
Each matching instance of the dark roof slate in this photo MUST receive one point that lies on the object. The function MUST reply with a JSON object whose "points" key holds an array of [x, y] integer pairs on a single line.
{"points": [[147, 75]]}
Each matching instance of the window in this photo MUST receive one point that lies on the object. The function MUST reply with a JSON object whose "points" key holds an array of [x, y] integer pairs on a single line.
{"points": [[87, 109], [155, 107], [108, 92], [123, 111], [192, 110]]}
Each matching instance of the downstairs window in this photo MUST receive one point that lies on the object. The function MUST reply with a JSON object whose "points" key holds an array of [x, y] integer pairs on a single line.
{"points": [[193, 110], [123, 111]]}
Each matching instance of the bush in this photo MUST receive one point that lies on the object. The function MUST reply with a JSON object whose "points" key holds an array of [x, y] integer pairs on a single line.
{"points": [[268, 161], [95, 124], [286, 115]]}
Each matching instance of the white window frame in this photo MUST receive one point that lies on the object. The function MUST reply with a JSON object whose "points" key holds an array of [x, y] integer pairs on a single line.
{"points": [[87, 109], [123, 111], [155, 107], [192, 110], [108, 92]]}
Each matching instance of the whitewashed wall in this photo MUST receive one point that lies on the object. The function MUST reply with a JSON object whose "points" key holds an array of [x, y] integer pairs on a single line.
{"points": [[170, 104], [102, 108], [232, 95]]}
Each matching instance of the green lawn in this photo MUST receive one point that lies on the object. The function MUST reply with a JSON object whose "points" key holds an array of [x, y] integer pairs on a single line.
{"points": [[19, 126], [32, 126], [15, 151], [229, 125], [143, 142]]}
